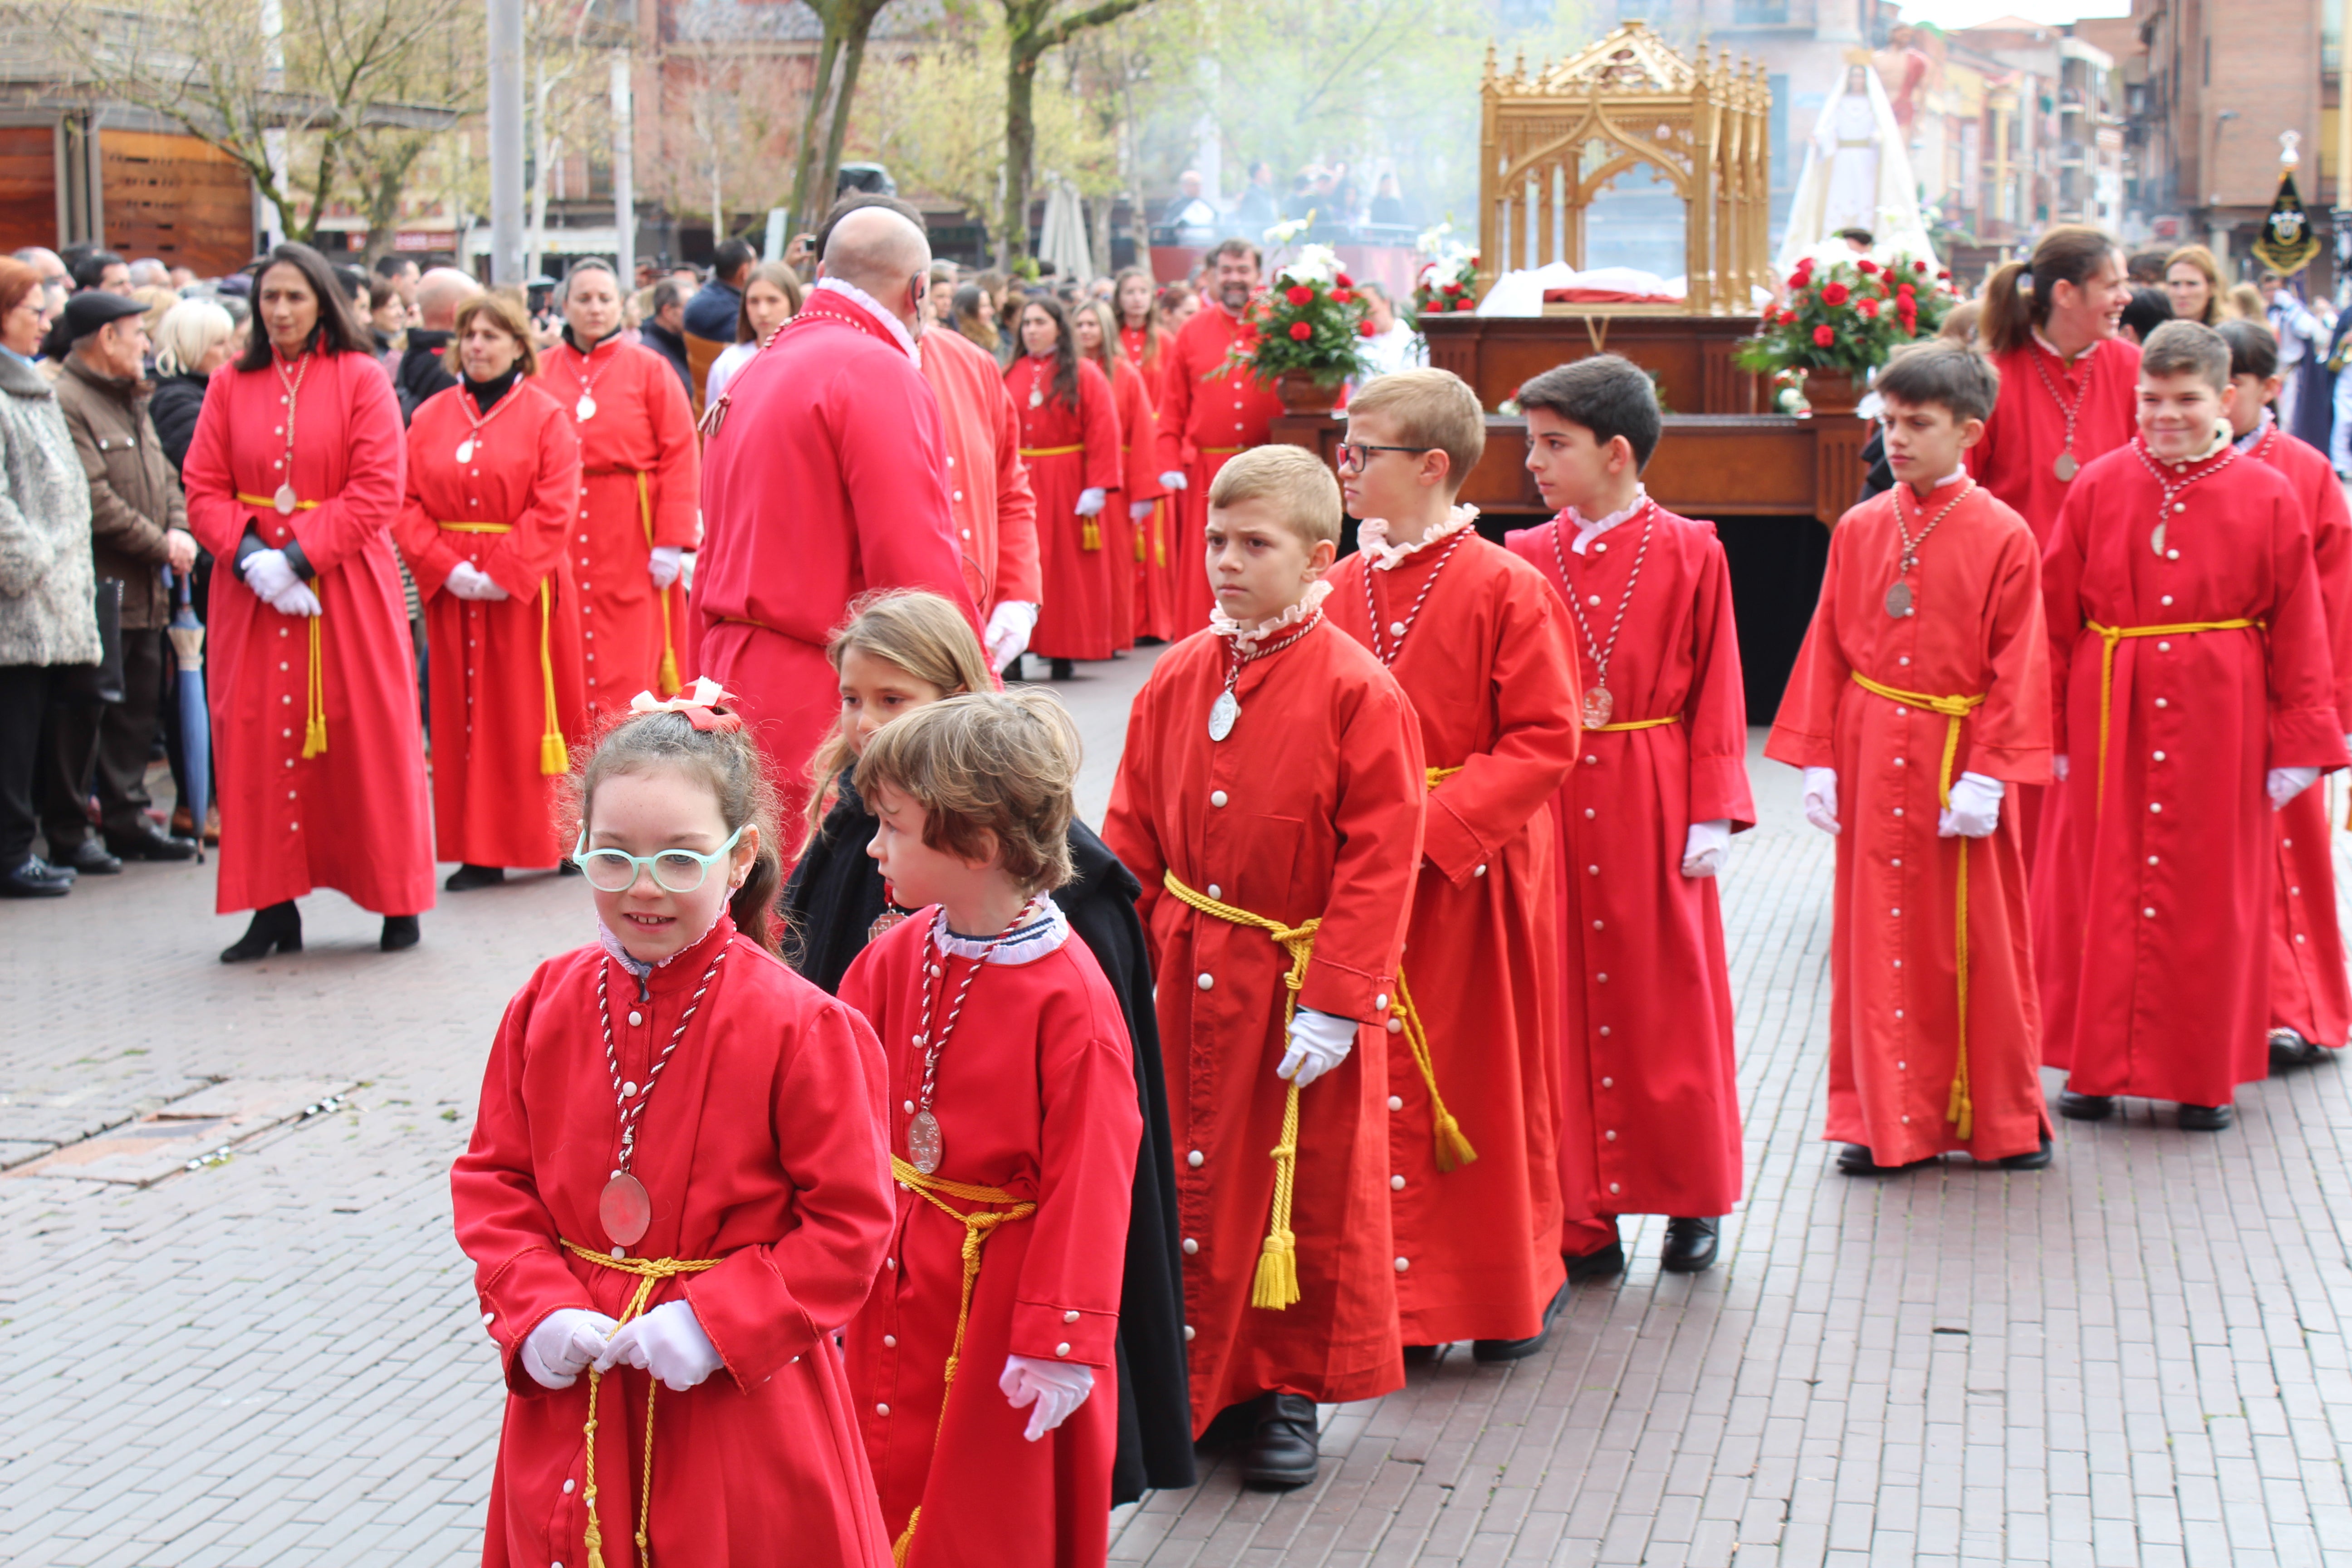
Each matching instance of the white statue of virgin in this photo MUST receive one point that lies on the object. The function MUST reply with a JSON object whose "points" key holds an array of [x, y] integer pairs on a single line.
{"points": [[1857, 175]]}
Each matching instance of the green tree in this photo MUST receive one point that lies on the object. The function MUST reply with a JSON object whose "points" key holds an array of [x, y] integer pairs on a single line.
{"points": [[1033, 29], [840, 53]]}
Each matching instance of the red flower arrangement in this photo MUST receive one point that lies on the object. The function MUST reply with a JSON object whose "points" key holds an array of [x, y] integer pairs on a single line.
{"points": [[1311, 322], [1444, 288], [1847, 316]]}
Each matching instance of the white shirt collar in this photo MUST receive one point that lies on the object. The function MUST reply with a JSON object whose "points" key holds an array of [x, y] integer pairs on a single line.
{"points": [[1587, 531], [2252, 439], [1372, 537], [1247, 639], [1045, 933], [2060, 358], [873, 307]]}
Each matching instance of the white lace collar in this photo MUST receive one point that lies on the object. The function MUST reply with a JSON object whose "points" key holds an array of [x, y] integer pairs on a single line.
{"points": [[1024, 944], [1224, 625], [2254, 437], [1587, 531], [873, 307], [611, 944], [1372, 537]]}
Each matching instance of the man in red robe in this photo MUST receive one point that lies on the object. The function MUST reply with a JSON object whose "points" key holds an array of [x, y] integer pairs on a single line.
{"points": [[1209, 412], [1269, 799], [990, 503], [2192, 696], [1650, 1102], [1481, 648], [1919, 698], [824, 477]]}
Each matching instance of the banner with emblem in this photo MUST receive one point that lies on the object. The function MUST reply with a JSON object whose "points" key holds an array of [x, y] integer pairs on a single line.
{"points": [[2286, 243]]}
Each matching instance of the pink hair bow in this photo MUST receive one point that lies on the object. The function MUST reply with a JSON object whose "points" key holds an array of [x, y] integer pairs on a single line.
{"points": [[699, 706]]}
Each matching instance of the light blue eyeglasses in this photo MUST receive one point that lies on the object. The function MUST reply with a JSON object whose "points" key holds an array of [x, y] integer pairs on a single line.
{"points": [[673, 870]]}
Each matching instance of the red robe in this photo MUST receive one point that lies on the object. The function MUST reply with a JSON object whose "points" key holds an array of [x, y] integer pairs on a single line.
{"points": [[1134, 344], [1975, 629], [827, 479], [353, 817], [1155, 609], [1206, 414], [993, 511], [1311, 806], [1650, 1103], [762, 1145], [1491, 671], [2309, 992], [1139, 481], [640, 475], [2151, 914], [1036, 1097], [506, 673], [1069, 450]]}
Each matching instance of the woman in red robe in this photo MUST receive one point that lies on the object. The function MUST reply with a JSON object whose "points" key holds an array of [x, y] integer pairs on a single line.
{"points": [[493, 480], [639, 491], [1069, 438], [1127, 513], [294, 479]]}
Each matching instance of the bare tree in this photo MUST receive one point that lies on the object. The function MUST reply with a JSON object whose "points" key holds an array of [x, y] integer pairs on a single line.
{"points": [[1033, 29], [841, 52]]}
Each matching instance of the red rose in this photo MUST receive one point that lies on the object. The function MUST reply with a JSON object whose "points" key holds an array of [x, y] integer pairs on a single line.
{"points": [[1341, 297], [1823, 337], [1945, 276], [1452, 286], [1921, 267], [1866, 267], [1836, 294], [1869, 308], [1799, 279], [1343, 280], [1299, 294], [1906, 291], [1301, 331], [1365, 328]]}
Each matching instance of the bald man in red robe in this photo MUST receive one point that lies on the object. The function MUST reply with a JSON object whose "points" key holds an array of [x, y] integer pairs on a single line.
{"points": [[989, 499]]}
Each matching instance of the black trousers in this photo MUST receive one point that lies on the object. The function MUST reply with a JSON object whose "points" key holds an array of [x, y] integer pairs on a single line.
{"points": [[24, 694], [103, 749]]}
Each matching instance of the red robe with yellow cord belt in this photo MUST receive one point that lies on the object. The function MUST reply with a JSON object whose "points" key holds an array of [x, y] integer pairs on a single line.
{"points": [[640, 487], [1127, 539], [507, 702], [353, 817], [1035, 1098], [760, 1145], [2152, 905], [1650, 1099], [2309, 991], [1487, 660], [1207, 414], [1311, 808], [1070, 450], [1975, 629]]}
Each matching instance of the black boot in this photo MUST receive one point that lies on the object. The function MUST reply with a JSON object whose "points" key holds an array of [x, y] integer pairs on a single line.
{"points": [[279, 926], [2032, 1160], [2205, 1118], [1690, 1247], [2290, 1050], [1518, 1350], [1600, 1263], [1282, 1452], [2085, 1107], [1853, 1160], [399, 933], [1064, 669], [468, 876]]}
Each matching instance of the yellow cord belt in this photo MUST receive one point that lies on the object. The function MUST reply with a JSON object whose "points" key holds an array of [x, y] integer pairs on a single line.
{"points": [[1632, 724], [978, 1227], [2108, 637], [554, 756], [1051, 451], [650, 1271], [667, 681], [314, 709], [1961, 1110]]}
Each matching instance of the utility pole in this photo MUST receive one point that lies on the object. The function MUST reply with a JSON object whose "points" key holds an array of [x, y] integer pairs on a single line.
{"points": [[506, 141], [624, 176]]}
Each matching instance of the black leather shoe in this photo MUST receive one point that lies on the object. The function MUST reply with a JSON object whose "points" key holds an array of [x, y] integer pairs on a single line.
{"points": [[2034, 1160], [88, 857], [2290, 1050], [1420, 1355], [2085, 1107], [35, 879], [151, 843], [279, 926], [399, 932], [567, 867], [1064, 669], [1853, 1160], [1518, 1349], [2206, 1118], [1690, 1247], [468, 876], [1282, 1452], [1600, 1263]]}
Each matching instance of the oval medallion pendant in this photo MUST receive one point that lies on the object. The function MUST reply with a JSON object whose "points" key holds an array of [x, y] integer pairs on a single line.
{"points": [[1222, 713], [625, 1210], [1599, 704], [284, 500], [465, 450], [883, 922], [1898, 600], [925, 1147], [2156, 539], [2066, 467], [585, 408]]}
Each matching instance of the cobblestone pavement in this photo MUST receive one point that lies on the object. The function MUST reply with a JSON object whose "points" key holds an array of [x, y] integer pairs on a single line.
{"points": [[2138, 1356]]}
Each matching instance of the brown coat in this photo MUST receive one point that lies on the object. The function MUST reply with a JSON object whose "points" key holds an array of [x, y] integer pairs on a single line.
{"points": [[133, 495]]}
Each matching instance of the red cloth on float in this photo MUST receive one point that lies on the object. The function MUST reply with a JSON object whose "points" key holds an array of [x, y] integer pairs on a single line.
{"points": [[1035, 1098], [1490, 667], [988, 498], [762, 1146], [351, 817], [1127, 539], [1647, 1050], [2152, 906], [1069, 450], [1975, 629], [1207, 413], [640, 477], [1310, 807], [506, 692]]}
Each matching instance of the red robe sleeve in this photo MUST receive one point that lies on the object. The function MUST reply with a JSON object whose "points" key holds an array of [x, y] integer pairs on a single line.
{"points": [[2010, 737], [425, 547], [2305, 729], [906, 535], [1805, 731], [373, 483], [677, 463], [2331, 553], [1019, 574], [215, 516], [1127, 823], [1098, 422], [517, 561], [1718, 715], [1176, 405], [1379, 815], [1534, 695]]}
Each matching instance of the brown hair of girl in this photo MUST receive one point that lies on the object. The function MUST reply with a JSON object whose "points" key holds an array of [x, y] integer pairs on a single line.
{"points": [[921, 632], [994, 773], [2017, 296]]}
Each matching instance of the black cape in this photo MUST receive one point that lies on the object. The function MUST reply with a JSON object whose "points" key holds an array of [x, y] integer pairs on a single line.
{"points": [[830, 903]]}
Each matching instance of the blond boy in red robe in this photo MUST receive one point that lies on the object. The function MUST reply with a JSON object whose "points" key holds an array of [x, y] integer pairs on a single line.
{"points": [[1270, 800], [1483, 649], [1920, 698]]}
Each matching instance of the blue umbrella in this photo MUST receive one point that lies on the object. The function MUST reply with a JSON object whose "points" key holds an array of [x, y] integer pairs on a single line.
{"points": [[196, 724]]}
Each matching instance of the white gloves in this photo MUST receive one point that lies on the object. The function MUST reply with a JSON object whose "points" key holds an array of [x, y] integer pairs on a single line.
{"points": [[1820, 798], [268, 576], [1048, 1390], [668, 1342], [1136, 511], [1174, 479], [1007, 637], [2285, 784], [1705, 848], [1090, 499], [566, 1340], [2058, 767], [1975, 810], [1318, 1042], [662, 567], [469, 581]]}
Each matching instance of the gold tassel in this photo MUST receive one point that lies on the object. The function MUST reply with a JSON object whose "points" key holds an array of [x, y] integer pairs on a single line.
{"points": [[554, 758], [899, 1547], [1453, 1149], [314, 730], [670, 683], [1276, 1286], [1090, 535], [1138, 547]]}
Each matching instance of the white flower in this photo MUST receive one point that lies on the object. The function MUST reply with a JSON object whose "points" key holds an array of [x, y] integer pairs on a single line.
{"points": [[1433, 240], [1283, 233], [1314, 263]]}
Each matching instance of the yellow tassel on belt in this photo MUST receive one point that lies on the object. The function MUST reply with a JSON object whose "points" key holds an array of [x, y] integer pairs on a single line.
{"points": [[669, 681], [978, 1227], [554, 756], [314, 710], [2109, 636], [649, 1271], [1961, 1109]]}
